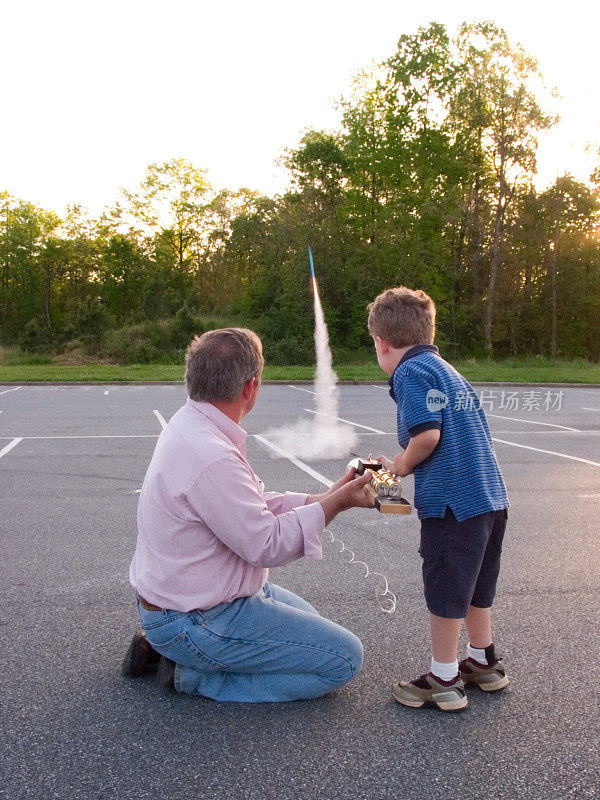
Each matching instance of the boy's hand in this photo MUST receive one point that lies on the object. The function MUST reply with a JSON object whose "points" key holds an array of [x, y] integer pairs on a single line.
{"points": [[400, 467], [397, 467], [420, 447], [386, 463]]}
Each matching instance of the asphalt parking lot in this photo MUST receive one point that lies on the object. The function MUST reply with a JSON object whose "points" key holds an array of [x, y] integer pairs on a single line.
{"points": [[71, 460]]}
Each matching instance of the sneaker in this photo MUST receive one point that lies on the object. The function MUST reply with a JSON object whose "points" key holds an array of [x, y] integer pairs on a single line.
{"points": [[431, 692], [490, 677], [141, 658]]}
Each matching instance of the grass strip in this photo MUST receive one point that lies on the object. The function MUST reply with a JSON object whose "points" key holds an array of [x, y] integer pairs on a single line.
{"points": [[518, 371]]}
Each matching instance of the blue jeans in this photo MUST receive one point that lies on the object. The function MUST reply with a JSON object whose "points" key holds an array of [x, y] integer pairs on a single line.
{"points": [[269, 647]]}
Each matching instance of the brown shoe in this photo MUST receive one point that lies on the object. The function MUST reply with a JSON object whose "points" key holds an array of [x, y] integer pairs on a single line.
{"points": [[141, 658], [490, 677], [166, 674], [429, 691]]}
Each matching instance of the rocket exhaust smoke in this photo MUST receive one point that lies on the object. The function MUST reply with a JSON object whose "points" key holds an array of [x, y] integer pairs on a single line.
{"points": [[321, 435]]}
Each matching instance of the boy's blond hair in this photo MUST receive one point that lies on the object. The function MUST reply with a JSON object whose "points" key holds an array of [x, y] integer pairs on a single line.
{"points": [[402, 317]]}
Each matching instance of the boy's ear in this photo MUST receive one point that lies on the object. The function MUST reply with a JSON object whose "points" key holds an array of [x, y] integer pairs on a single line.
{"points": [[384, 347]]}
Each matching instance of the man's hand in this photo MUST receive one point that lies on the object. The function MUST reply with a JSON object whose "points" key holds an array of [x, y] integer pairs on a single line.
{"points": [[349, 476], [316, 498], [350, 493]]}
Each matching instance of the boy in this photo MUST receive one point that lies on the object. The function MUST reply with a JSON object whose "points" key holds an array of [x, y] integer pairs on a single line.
{"points": [[459, 495]]}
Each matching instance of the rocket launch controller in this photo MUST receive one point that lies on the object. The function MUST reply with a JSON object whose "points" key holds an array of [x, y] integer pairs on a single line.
{"points": [[384, 489]]}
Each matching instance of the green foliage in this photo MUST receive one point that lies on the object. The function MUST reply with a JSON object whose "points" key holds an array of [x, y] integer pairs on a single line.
{"points": [[289, 350], [158, 299], [139, 344], [36, 337], [184, 327], [158, 340], [91, 324], [124, 277]]}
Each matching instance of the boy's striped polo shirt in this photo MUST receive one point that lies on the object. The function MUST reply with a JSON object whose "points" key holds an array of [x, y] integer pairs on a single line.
{"points": [[462, 473]]}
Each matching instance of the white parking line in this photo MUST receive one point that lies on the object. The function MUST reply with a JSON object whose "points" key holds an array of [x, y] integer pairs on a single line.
{"points": [[534, 422], [16, 388], [106, 392], [10, 446], [300, 389], [310, 433], [93, 436], [375, 386], [549, 452], [347, 421], [583, 408], [160, 418], [309, 470]]}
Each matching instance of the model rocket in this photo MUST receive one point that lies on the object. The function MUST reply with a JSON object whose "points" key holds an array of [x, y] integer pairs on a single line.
{"points": [[312, 266]]}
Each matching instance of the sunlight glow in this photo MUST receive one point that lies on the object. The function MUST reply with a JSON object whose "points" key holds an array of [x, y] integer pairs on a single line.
{"points": [[97, 91]]}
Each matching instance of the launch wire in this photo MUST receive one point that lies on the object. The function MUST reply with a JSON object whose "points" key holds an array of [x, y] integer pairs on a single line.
{"points": [[386, 599]]}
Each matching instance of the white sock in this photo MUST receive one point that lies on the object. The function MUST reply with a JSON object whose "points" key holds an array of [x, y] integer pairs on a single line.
{"points": [[477, 654], [444, 671]]}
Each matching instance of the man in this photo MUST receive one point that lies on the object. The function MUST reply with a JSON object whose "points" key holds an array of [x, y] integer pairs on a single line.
{"points": [[212, 623]]}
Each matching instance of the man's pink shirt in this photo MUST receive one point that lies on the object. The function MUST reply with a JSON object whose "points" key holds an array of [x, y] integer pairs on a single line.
{"points": [[207, 530]]}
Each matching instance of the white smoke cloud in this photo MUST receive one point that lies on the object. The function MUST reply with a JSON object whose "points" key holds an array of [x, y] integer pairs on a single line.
{"points": [[320, 434]]}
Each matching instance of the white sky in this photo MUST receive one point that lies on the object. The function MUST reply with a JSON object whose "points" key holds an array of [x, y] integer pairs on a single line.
{"points": [[94, 91]]}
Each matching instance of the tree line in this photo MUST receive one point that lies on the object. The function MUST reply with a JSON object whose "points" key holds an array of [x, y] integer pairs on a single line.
{"points": [[429, 182]]}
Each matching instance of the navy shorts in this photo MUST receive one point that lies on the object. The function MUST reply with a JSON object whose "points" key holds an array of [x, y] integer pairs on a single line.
{"points": [[461, 561]]}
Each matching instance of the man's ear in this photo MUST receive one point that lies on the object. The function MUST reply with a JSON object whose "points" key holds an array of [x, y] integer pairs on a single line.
{"points": [[248, 389]]}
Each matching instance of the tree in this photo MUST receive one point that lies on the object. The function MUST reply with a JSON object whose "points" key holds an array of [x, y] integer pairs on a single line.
{"points": [[404, 171], [498, 95], [319, 164], [216, 276], [82, 240], [123, 276], [569, 214], [375, 153], [24, 229], [172, 200]]}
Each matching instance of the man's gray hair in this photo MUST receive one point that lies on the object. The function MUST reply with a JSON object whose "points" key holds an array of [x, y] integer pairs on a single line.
{"points": [[219, 363]]}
